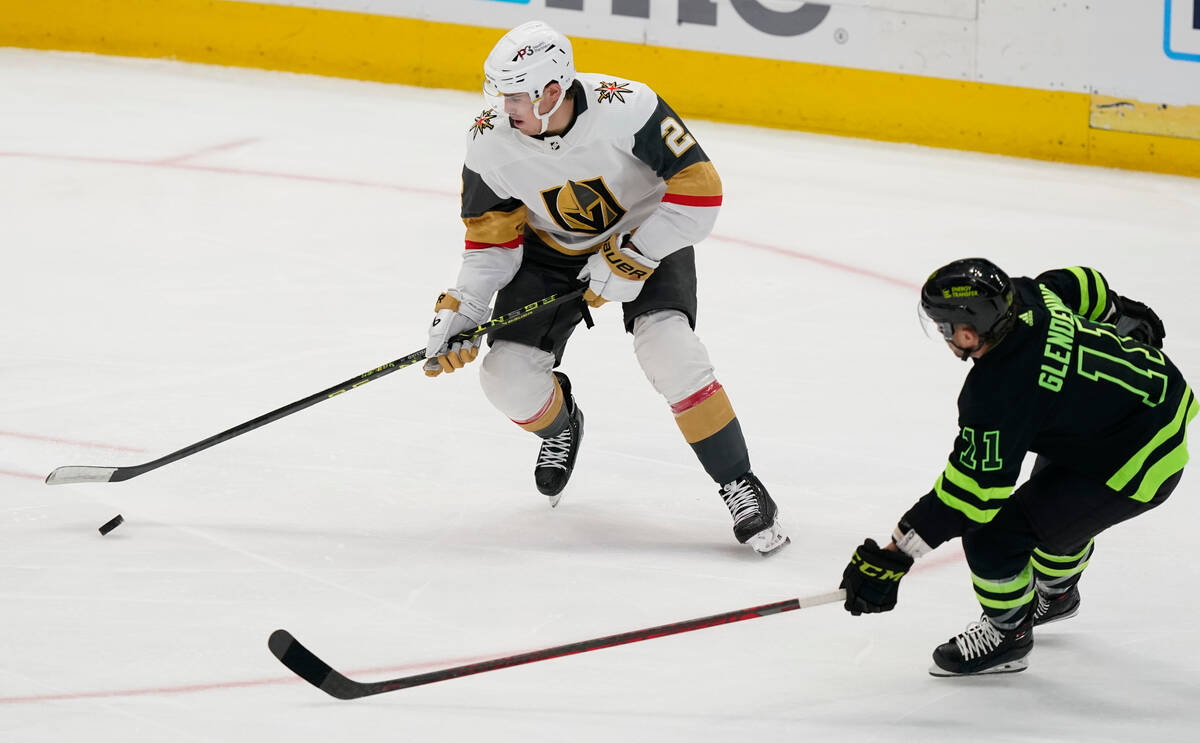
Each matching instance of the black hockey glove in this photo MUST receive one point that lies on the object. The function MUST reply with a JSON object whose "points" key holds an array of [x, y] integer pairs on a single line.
{"points": [[1137, 321], [872, 579]]}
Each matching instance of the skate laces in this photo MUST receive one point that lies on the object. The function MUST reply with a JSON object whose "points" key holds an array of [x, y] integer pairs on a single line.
{"points": [[555, 449], [1043, 606], [980, 639], [740, 498]]}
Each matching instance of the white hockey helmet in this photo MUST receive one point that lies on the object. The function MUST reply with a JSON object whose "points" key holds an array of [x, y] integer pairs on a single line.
{"points": [[526, 60]]}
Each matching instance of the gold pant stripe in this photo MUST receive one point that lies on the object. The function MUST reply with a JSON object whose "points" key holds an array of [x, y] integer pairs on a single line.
{"points": [[707, 418], [547, 414]]}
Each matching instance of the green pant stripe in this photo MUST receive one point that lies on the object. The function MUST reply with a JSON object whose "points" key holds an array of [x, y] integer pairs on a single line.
{"points": [[1084, 302], [1185, 413], [1016, 584], [968, 483], [975, 514], [989, 603], [1064, 558], [1059, 572]]}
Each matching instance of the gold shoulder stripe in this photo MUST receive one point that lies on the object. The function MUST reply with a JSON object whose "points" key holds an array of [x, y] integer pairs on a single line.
{"points": [[700, 179], [495, 228]]}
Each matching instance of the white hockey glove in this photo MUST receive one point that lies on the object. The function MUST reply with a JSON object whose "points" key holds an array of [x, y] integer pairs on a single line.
{"points": [[453, 313], [616, 274]]}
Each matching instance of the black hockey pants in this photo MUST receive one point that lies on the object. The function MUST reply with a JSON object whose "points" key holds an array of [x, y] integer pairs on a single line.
{"points": [[1044, 536]]}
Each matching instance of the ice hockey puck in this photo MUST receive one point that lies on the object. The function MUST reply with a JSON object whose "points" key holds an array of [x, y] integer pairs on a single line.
{"points": [[116, 521]]}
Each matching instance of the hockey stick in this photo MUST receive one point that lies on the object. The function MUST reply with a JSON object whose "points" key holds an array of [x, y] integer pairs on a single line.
{"points": [[317, 672], [70, 474]]}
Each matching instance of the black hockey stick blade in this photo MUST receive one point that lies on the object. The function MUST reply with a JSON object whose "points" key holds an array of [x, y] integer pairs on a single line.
{"points": [[83, 473], [312, 669], [305, 664]]}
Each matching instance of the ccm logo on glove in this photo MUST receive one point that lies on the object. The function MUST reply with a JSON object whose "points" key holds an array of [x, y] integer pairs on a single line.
{"points": [[874, 571], [872, 578]]}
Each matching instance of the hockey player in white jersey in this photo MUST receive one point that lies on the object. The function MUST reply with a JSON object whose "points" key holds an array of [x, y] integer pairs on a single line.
{"points": [[573, 178]]}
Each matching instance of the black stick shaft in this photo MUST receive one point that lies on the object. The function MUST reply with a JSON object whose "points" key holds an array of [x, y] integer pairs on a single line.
{"points": [[312, 669], [117, 474]]}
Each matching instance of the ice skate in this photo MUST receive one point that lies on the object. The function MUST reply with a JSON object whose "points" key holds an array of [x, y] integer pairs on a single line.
{"points": [[755, 517], [984, 648], [1056, 608], [556, 457]]}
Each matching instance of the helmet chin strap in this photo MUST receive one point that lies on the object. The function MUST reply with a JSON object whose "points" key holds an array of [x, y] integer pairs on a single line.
{"points": [[546, 118], [965, 353]]}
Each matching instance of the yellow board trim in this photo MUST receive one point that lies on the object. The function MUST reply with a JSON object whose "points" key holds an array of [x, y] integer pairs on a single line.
{"points": [[1045, 125], [1129, 115]]}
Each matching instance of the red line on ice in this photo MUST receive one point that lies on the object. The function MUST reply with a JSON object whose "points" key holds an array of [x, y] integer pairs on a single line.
{"points": [[57, 440], [227, 171], [24, 475], [205, 151], [216, 686], [174, 165], [828, 263]]}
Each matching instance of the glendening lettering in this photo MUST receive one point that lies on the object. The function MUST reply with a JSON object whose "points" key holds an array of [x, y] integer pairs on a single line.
{"points": [[1060, 340]]}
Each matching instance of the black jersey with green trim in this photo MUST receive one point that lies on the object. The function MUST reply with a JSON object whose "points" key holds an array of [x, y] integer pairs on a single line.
{"points": [[625, 162], [1063, 385]]}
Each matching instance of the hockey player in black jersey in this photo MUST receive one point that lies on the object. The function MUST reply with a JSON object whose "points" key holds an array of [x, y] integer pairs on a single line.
{"points": [[582, 179], [1065, 368]]}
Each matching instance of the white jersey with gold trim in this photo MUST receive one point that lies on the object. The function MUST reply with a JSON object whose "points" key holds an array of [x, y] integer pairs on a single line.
{"points": [[626, 162]]}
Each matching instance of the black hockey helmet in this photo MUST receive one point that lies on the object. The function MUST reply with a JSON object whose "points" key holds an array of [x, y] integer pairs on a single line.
{"points": [[971, 291]]}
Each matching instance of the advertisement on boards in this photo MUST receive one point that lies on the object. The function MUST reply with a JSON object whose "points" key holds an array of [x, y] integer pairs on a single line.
{"points": [[922, 37], [1147, 50], [1181, 30]]}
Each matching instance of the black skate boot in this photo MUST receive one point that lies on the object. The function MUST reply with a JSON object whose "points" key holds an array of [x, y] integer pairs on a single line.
{"points": [[984, 648], [556, 458], [755, 517], [1055, 608]]}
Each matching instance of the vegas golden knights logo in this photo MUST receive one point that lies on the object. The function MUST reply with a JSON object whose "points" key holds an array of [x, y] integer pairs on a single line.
{"points": [[583, 206]]}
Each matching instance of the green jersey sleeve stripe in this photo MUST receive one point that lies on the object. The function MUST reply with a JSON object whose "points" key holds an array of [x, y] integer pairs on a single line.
{"points": [[968, 483], [1167, 466], [974, 513], [1187, 409], [1084, 302], [1101, 295]]}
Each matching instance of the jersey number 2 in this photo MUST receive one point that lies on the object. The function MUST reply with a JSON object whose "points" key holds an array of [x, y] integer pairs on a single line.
{"points": [[676, 137]]}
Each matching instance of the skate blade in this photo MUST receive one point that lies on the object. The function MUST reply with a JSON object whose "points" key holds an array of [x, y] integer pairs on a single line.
{"points": [[770, 540], [554, 499], [1058, 618], [1013, 666]]}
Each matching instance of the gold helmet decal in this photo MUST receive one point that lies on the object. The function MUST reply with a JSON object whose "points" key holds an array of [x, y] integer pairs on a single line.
{"points": [[587, 207]]}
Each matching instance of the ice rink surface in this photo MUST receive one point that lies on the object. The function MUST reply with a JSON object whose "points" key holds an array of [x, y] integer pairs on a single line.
{"points": [[187, 247]]}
